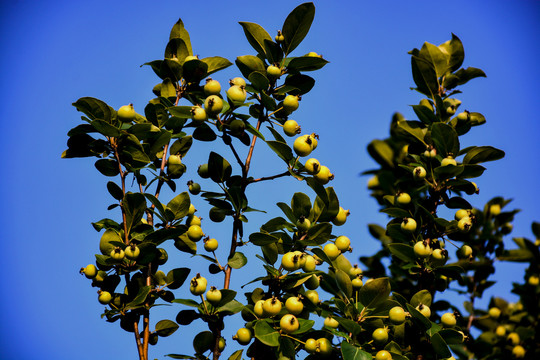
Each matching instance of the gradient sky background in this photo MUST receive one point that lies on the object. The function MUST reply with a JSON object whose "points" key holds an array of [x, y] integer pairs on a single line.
{"points": [[54, 52]]}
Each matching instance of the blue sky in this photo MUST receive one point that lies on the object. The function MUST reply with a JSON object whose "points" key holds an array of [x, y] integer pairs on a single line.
{"points": [[54, 52]]}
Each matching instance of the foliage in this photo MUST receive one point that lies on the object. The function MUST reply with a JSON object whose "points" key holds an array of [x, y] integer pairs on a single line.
{"points": [[396, 311]]}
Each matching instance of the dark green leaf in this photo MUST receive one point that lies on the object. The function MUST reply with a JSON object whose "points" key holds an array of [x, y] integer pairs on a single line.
{"points": [[179, 32], [480, 154], [166, 327], [261, 239], [176, 48], [140, 298], [306, 63], [282, 150], [299, 84], [300, 205], [256, 35], [424, 114], [296, 26], [445, 139], [402, 251], [259, 81], [421, 297], [215, 63], [455, 49], [95, 109], [381, 152], [203, 342], [107, 167], [237, 260], [134, 206], [105, 128], [248, 64], [374, 292], [414, 128], [266, 334], [219, 168], [204, 133], [179, 205], [177, 277], [457, 203], [351, 352], [440, 346], [344, 283]]}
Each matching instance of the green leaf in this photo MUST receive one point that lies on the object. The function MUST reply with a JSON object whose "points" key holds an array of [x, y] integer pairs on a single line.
{"points": [[424, 76], [140, 298], [107, 167], [219, 168], [203, 132], [287, 211], [420, 318], [440, 346], [453, 48], [261, 239], [480, 154], [281, 149], [259, 81], [179, 205], [215, 63], [237, 260], [319, 234], [302, 83], [296, 26], [95, 109], [134, 205], [305, 325], [276, 224], [179, 32], [421, 297], [351, 352], [381, 152], [457, 203], [306, 63], [435, 57], [343, 282], [462, 76], [237, 355], [177, 277], [414, 128], [165, 328], [230, 308], [402, 251], [203, 342], [425, 114], [181, 146], [300, 205], [256, 35], [176, 48], [248, 64], [374, 292], [105, 128], [266, 334], [445, 139]]}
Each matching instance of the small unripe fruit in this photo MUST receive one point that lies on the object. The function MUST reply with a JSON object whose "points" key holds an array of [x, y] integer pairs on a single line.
{"points": [[403, 199], [495, 209], [221, 344], [290, 103], [422, 249], [273, 72], [343, 243], [500, 331], [195, 233], [383, 355], [90, 271], [533, 280], [424, 310], [324, 347], [380, 335], [193, 220], [518, 351], [463, 116], [213, 105], [237, 81], [331, 322], [291, 128], [163, 256], [290, 261], [294, 305], [373, 182], [303, 224], [303, 145], [213, 296], [160, 278], [279, 37], [439, 257], [237, 94], [104, 297], [449, 160], [312, 166], [355, 270], [126, 113], [313, 54], [194, 188], [132, 252], [465, 224], [310, 264], [430, 153], [408, 225], [331, 250], [419, 173], [312, 296], [237, 127], [198, 114], [448, 319], [461, 213], [289, 323], [311, 345], [313, 282], [513, 338], [397, 315], [191, 210], [212, 87], [117, 254], [272, 306], [203, 171], [197, 285], [464, 252], [258, 308], [243, 336], [341, 217], [211, 245], [494, 312], [324, 175]]}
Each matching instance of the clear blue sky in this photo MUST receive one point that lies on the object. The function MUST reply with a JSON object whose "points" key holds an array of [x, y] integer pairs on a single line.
{"points": [[54, 52]]}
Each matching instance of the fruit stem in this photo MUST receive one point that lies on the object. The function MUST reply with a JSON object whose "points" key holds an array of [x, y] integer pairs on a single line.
{"points": [[204, 304]]}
